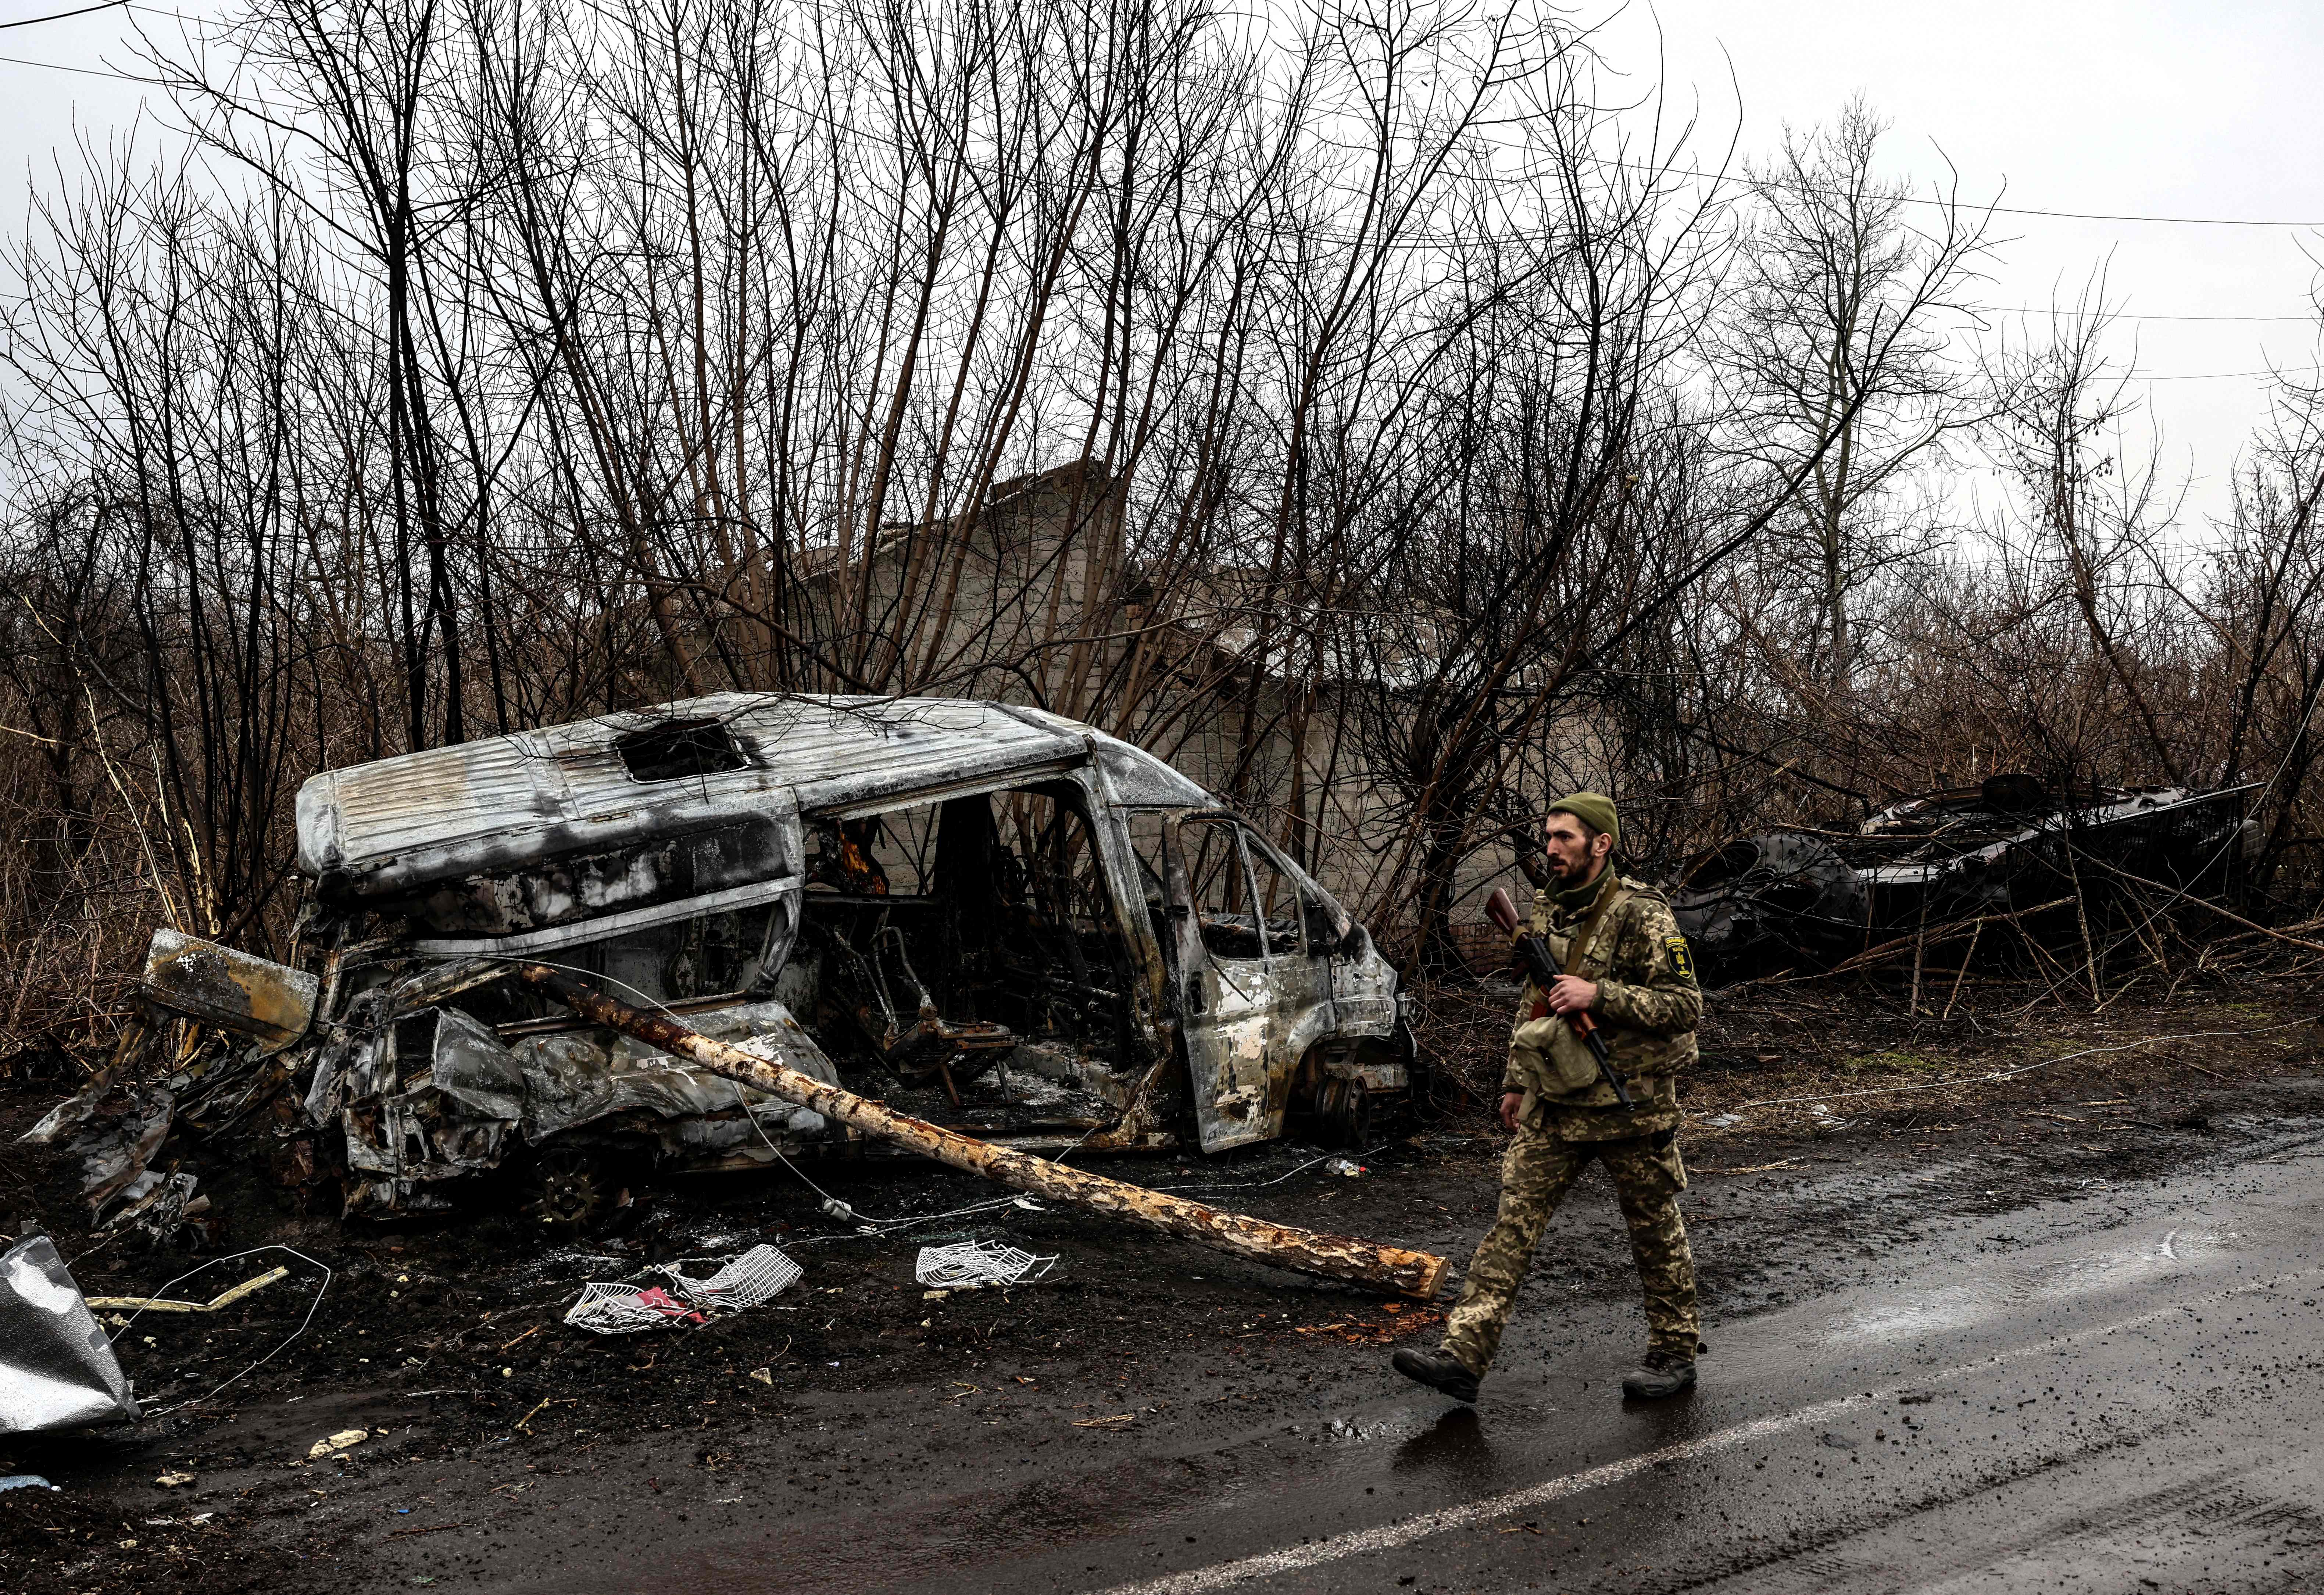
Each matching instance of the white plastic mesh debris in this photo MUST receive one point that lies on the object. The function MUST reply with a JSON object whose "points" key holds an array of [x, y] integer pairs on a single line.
{"points": [[624, 1309], [756, 1276], [968, 1264]]}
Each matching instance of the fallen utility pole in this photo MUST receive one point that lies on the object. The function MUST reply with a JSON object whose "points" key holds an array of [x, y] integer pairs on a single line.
{"points": [[1307, 1251]]}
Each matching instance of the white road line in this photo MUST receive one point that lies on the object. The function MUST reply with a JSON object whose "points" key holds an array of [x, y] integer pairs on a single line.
{"points": [[1389, 1536]]}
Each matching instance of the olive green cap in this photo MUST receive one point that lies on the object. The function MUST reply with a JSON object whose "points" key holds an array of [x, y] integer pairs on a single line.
{"points": [[1594, 809]]}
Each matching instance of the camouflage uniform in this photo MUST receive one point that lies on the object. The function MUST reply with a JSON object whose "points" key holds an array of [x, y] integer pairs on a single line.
{"points": [[1646, 1009]]}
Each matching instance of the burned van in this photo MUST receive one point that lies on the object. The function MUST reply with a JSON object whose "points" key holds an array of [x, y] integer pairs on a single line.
{"points": [[985, 916]]}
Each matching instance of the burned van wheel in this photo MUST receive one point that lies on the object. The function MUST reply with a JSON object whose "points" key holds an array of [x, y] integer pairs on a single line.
{"points": [[1346, 1110], [568, 1189]]}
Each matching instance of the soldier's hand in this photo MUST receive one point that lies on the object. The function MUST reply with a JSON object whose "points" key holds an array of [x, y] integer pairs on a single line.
{"points": [[1511, 1100], [1570, 993]]}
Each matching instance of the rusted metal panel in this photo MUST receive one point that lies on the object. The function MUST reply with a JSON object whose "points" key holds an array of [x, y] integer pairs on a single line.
{"points": [[1333, 1257], [233, 991]]}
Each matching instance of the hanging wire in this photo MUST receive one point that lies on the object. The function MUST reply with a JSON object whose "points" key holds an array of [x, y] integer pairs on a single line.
{"points": [[328, 1275]]}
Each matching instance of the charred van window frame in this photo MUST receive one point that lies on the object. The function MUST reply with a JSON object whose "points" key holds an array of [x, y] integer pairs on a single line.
{"points": [[680, 749], [490, 1005]]}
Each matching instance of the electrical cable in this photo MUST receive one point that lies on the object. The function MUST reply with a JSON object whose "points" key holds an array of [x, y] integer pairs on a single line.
{"points": [[1255, 1185], [18, 61], [882, 1226], [2067, 314], [1714, 178], [647, 1000], [2204, 376], [328, 1275], [58, 16]]}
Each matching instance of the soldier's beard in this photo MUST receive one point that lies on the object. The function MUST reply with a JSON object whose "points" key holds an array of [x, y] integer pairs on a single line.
{"points": [[1573, 873]]}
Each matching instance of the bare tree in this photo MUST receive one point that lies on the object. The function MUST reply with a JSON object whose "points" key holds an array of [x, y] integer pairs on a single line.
{"points": [[1841, 342]]}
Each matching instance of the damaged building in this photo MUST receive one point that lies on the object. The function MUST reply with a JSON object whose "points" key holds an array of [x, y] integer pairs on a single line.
{"points": [[987, 916], [2009, 847]]}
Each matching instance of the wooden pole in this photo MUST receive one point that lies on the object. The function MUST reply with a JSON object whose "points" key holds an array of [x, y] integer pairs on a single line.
{"points": [[1306, 1251]]}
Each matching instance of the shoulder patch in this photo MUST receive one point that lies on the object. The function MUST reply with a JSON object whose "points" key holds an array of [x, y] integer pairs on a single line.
{"points": [[1680, 959]]}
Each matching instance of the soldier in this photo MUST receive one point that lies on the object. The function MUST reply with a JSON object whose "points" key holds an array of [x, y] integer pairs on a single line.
{"points": [[1627, 965]]}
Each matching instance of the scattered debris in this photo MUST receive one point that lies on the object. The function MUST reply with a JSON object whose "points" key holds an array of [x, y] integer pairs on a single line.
{"points": [[973, 1264], [1347, 1166], [1356, 1333], [225, 1298], [171, 1480], [765, 1376], [118, 1143], [750, 1280], [1334, 1257], [27, 1481], [1116, 1421], [157, 1206], [335, 1444], [57, 1370], [525, 1423]]}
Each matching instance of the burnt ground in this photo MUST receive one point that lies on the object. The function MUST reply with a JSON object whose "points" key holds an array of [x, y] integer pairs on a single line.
{"points": [[504, 1450]]}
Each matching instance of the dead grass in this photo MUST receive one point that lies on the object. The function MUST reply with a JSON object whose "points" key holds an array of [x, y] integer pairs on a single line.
{"points": [[1771, 1059]]}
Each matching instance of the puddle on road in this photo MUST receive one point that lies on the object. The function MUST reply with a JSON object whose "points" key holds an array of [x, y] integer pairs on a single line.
{"points": [[2012, 1287]]}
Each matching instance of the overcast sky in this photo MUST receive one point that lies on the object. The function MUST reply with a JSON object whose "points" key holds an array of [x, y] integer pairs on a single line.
{"points": [[2179, 109], [2176, 109]]}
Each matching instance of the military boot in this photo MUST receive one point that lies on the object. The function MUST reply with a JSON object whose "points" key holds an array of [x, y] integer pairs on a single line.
{"points": [[1439, 1370], [1664, 1373]]}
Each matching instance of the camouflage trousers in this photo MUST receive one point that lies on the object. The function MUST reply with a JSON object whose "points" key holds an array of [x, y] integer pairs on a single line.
{"points": [[1534, 1176]]}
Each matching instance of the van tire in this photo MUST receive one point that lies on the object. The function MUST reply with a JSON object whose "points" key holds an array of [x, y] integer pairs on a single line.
{"points": [[568, 1189], [1344, 1107]]}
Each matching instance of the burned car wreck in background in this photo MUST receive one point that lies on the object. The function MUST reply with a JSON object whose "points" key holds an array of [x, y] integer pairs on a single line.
{"points": [[981, 915], [1805, 901]]}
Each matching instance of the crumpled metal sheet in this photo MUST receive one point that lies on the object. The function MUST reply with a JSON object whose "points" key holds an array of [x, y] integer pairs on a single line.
{"points": [[575, 1077], [462, 1113], [70, 1114], [1782, 901], [475, 1068], [114, 1153], [158, 1205], [57, 1370]]}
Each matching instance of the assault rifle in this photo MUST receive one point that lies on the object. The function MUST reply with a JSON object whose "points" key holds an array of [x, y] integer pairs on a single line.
{"points": [[1543, 969]]}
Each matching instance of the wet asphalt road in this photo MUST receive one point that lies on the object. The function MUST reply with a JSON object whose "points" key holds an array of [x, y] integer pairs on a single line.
{"points": [[2118, 1393]]}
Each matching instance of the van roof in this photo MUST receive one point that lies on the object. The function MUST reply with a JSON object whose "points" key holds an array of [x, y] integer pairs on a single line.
{"points": [[384, 827]]}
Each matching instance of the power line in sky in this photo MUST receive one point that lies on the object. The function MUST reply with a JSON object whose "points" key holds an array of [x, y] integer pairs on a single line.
{"points": [[58, 16], [18, 61], [2117, 315]]}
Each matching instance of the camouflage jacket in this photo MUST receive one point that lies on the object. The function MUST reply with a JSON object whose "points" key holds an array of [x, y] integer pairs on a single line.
{"points": [[1647, 1009]]}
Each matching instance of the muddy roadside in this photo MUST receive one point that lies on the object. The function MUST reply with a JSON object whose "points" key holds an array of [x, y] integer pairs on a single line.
{"points": [[502, 1449]]}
